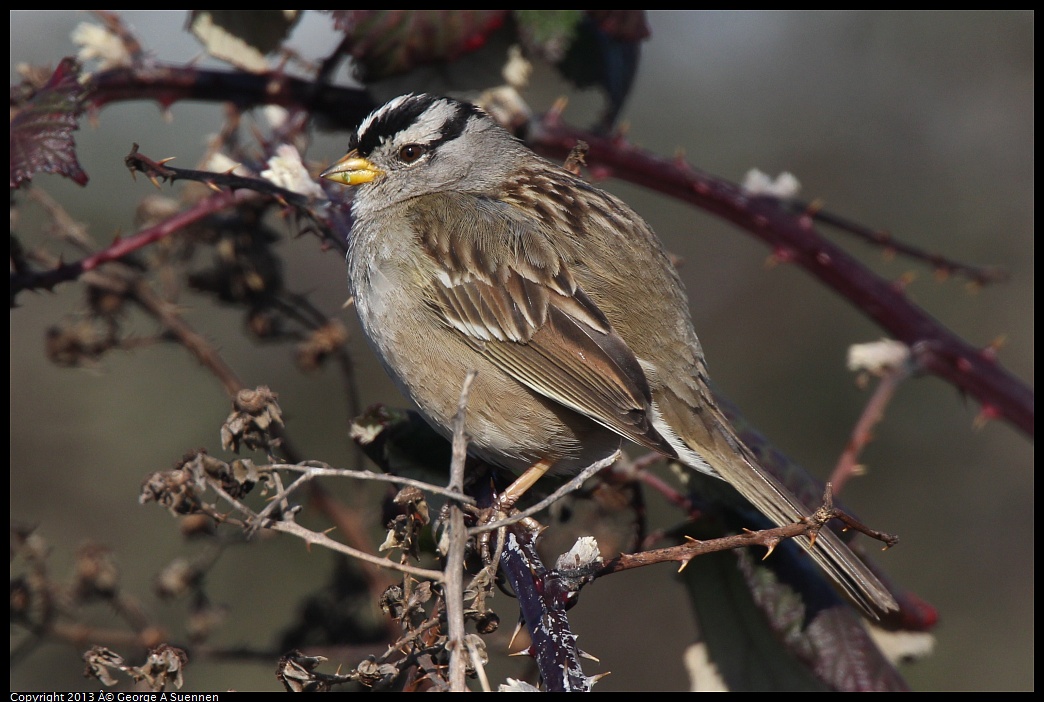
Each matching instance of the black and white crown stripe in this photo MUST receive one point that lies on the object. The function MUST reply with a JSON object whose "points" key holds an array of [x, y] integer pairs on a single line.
{"points": [[420, 119]]}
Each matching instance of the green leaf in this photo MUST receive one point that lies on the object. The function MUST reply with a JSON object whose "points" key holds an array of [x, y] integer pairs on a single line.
{"points": [[242, 37]]}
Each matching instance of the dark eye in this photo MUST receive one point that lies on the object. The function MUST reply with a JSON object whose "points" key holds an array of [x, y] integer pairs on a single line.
{"points": [[412, 152]]}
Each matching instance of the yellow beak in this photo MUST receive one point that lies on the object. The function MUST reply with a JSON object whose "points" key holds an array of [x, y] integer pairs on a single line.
{"points": [[352, 170]]}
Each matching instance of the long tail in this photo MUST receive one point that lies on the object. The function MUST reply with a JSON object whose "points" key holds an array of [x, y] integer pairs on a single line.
{"points": [[710, 445], [777, 503]]}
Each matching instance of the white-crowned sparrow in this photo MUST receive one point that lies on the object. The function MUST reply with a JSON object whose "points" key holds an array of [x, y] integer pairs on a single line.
{"points": [[470, 252]]}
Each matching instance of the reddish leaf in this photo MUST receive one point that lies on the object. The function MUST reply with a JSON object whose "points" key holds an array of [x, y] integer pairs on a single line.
{"points": [[622, 25], [387, 42], [41, 131]]}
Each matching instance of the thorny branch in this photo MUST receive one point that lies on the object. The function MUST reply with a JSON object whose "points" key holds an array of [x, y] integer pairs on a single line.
{"points": [[793, 238], [892, 372], [769, 538]]}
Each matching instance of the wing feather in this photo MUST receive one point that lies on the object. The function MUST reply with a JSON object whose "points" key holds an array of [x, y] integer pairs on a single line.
{"points": [[512, 296]]}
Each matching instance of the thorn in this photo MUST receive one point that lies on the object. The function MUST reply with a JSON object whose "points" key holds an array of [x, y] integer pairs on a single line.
{"points": [[557, 108], [780, 255], [991, 349], [815, 207], [812, 538], [987, 413], [518, 628], [903, 281], [155, 182], [588, 656], [165, 161], [211, 185], [348, 303], [595, 678], [862, 380], [619, 135], [524, 652], [771, 547]]}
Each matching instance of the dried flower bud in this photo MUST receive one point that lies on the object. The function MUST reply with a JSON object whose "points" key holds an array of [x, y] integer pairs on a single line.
{"points": [[179, 490], [80, 343], [99, 660], [320, 344], [412, 499], [203, 620], [164, 665], [177, 578], [391, 601], [487, 623], [297, 673], [252, 422], [97, 574], [197, 525]]}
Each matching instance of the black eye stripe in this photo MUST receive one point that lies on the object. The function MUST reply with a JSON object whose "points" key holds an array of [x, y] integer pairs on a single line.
{"points": [[391, 123]]}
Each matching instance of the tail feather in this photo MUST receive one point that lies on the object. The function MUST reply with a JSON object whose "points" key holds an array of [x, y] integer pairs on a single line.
{"points": [[773, 500]]}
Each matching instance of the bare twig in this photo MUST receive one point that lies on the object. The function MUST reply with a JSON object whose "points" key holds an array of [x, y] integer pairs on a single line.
{"points": [[574, 484], [457, 536], [848, 464], [313, 537], [944, 267], [315, 469], [194, 343]]}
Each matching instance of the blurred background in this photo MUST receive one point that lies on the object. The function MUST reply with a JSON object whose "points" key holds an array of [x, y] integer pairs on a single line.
{"points": [[917, 123]]}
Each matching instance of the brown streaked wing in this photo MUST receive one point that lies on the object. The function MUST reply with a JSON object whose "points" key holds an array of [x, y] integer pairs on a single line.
{"points": [[512, 297]]}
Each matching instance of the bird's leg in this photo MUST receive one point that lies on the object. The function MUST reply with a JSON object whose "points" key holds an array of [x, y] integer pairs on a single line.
{"points": [[505, 501]]}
